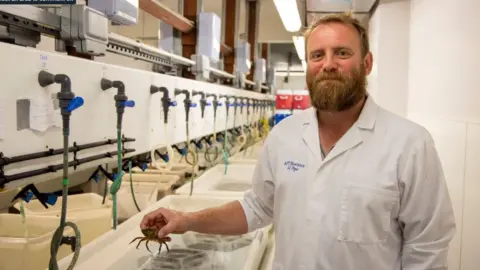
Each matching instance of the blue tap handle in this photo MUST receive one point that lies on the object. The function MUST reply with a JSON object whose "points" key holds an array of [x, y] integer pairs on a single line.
{"points": [[193, 105], [183, 151], [128, 103], [144, 166], [28, 196], [172, 103], [52, 199], [165, 157], [208, 104], [219, 104], [74, 104], [231, 105]]}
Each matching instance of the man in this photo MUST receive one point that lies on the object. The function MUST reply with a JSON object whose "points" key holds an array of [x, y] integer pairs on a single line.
{"points": [[347, 185]]}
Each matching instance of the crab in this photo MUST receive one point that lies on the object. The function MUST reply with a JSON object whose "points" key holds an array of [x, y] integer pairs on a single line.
{"points": [[151, 235]]}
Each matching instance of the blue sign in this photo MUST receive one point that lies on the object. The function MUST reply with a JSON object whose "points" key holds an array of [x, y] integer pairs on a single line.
{"points": [[38, 2]]}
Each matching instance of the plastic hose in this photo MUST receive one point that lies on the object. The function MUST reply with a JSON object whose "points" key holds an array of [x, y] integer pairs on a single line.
{"points": [[167, 166], [131, 186], [225, 141], [195, 159], [22, 216], [58, 235], [118, 180], [213, 146], [208, 152]]}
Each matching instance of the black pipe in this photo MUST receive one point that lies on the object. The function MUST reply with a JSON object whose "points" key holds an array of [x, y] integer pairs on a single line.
{"points": [[227, 102], [203, 101], [53, 152], [166, 101], [4, 179], [187, 101], [121, 99], [215, 104]]}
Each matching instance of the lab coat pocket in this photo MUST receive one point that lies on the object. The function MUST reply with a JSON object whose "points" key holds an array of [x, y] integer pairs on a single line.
{"points": [[366, 214]]}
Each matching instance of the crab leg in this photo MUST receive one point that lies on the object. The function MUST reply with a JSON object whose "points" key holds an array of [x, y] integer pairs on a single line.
{"points": [[143, 239], [146, 244], [136, 238]]}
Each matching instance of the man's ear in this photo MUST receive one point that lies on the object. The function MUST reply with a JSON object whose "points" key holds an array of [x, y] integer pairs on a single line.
{"points": [[368, 63]]}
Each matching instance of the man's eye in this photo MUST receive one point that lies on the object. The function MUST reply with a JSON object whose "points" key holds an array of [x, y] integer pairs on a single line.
{"points": [[343, 53], [315, 55]]}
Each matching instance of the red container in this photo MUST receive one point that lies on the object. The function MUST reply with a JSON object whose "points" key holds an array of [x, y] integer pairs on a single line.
{"points": [[284, 100], [301, 100]]}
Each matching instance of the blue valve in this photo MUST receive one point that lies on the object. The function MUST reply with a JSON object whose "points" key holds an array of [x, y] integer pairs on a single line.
{"points": [[165, 158], [51, 199], [28, 196], [74, 104], [208, 104], [219, 104], [219, 139], [172, 103], [128, 103], [200, 145], [144, 166], [96, 177], [183, 151], [193, 105], [231, 105]]}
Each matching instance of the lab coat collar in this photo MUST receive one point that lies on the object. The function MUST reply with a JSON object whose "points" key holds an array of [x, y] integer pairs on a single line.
{"points": [[352, 138]]}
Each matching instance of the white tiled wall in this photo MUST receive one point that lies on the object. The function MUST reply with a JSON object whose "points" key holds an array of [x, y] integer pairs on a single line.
{"points": [[432, 67]]}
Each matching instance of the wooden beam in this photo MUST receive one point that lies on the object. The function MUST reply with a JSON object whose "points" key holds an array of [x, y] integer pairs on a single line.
{"points": [[189, 40], [161, 12], [225, 50], [230, 33], [265, 51], [252, 34]]}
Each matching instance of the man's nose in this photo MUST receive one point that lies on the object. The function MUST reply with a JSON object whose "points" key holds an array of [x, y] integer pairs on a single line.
{"points": [[329, 64]]}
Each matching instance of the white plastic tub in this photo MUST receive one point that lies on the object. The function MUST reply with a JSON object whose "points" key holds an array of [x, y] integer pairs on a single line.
{"points": [[151, 176], [92, 217], [146, 193], [33, 252], [112, 251], [237, 180], [75, 202], [177, 169]]}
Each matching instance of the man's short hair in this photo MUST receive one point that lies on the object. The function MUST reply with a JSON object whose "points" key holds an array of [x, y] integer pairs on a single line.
{"points": [[345, 18]]}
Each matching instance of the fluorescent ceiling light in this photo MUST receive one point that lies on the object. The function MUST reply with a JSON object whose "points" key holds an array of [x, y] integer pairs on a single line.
{"points": [[304, 65], [299, 43], [288, 11]]}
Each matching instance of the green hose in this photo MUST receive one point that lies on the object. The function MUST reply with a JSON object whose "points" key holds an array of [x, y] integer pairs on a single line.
{"points": [[58, 235], [118, 181], [131, 185], [225, 141]]}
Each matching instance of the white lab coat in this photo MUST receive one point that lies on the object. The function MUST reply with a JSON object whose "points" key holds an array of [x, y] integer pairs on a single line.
{"points": [[378, 201]]}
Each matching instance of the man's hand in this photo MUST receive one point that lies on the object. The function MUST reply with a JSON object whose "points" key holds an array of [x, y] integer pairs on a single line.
{"points": [[166, 221]]}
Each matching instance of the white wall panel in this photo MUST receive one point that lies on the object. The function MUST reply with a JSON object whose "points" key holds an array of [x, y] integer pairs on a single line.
{"points": [[471, 215], [96, 119]]}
